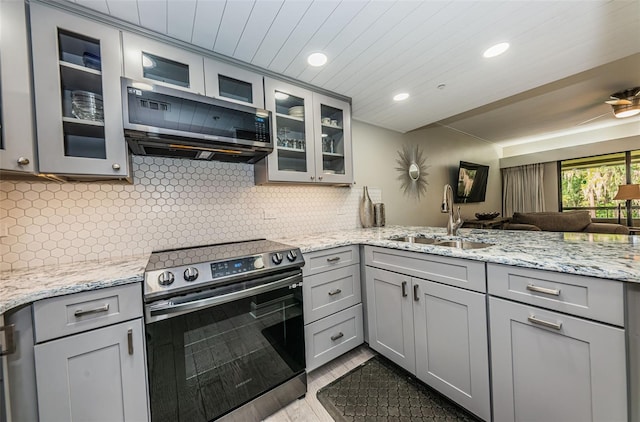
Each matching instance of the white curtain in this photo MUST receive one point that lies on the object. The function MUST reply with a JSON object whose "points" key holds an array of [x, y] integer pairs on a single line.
{"points": [[522, 189]]}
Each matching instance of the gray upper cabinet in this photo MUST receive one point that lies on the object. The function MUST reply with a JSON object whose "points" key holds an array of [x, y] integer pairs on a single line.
{"points": [[231, 83], [312, 137], [332, 132], [17, 133], [77, 67], [157, 63]]}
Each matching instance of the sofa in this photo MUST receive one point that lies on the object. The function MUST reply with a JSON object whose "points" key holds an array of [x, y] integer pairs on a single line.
{"points": [[573, 221]]}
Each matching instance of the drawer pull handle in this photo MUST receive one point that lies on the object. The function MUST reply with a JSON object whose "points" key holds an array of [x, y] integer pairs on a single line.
{"points": [[80, 312], [337, 336], [555, 326], [130, 340], [335, 292], [553, 292], [334, 259], [404, 289], [415, 293], [9, 331]]}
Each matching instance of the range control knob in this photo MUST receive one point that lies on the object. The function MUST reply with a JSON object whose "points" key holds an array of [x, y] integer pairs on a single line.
{"points": [[190, 274], [292, 255], [166, 278], [258, 263], [277, 258]]}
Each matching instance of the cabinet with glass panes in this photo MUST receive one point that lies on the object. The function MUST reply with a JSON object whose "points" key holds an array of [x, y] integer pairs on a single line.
{"points": [[231, 83], [312, 137], [16, 107], [77, 95], [157, 63]]}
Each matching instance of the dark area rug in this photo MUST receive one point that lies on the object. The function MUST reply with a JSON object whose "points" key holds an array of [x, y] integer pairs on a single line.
{"points": [[378, 391]]}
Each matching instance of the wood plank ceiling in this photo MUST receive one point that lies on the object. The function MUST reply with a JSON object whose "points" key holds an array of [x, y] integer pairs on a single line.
{"points": [[379, 48]]}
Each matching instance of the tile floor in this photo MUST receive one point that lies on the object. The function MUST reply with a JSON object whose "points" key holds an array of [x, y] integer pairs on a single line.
{"points": [[309, 409]]}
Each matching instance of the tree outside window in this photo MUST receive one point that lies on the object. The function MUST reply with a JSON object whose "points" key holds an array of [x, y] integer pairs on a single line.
{"points": [[590, 183]]}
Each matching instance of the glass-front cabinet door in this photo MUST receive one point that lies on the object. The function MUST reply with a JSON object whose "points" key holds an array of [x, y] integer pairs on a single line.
{"points": [[150, 61], [292, 159], [16, 116], [231, 83], [332, 120], [76, 66]]}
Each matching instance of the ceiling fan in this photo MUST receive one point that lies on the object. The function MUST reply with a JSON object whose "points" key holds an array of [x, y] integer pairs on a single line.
{"points": [[625, 103]]}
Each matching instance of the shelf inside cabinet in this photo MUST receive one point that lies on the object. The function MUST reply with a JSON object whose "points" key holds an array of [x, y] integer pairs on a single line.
{"points": [[80, 127], [332, 155], [74, 77], [288, 117], [288, 149], [294, 153]]}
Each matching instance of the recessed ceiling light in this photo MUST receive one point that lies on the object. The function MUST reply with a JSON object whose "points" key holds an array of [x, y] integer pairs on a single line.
{"points": [[496, 50], [400, 97], [281, 95], [317, 59]]}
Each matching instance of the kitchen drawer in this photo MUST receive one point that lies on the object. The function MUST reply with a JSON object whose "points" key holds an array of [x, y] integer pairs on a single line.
{"points": [[330, 337], [70, 314], [588, 297], [455, 272], [331, 291], [329, 259]]}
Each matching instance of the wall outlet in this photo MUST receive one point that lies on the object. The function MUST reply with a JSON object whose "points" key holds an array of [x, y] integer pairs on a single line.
{"points": [[269, 214], [4, 228]]}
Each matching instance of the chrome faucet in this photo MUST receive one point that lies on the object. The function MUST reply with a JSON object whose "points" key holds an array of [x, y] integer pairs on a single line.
{"points": [[447, 206]]}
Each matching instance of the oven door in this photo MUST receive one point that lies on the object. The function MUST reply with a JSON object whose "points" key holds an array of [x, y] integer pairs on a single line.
{"points": [[211, 352]]}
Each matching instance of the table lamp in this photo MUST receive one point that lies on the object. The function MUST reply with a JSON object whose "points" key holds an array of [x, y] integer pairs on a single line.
{"points": [[627, 192]]}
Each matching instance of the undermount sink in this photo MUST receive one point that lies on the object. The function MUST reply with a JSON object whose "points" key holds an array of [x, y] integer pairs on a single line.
{"points": [[414, 239], [463, 244], [459, 244]]}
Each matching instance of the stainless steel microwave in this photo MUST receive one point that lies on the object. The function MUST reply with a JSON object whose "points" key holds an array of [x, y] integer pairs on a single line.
{"points": [[168, 122]]}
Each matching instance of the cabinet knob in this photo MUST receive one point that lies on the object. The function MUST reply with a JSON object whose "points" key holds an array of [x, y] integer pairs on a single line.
{"points": [[312, 177], [319, 177], [23, 161], [115, 166]]}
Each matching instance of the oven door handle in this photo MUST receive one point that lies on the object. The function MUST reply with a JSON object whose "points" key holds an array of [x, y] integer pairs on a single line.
{"points": [[168, 307]]}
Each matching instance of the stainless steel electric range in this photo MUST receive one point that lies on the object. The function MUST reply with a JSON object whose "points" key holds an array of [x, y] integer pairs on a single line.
{"points": [[225, 334]]}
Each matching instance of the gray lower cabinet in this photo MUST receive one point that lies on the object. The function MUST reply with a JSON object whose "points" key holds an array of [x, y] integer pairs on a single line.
{"points": [[390, 317], [549, 362], [332, 304], [90, 356], [96, 375], [434, 330], [452, 355]]}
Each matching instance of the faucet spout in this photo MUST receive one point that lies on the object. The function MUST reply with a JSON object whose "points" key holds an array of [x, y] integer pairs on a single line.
{"points": [[447, 207]]}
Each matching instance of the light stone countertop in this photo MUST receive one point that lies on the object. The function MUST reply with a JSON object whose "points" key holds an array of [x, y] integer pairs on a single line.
{"points": [[20, 287], [615, 257]]}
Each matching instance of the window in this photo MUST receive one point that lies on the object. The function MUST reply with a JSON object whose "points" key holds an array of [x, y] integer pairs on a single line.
{"points": [[590, 183]]}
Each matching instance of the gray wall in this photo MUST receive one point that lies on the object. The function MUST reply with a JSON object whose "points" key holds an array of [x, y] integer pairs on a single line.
{"points": [[376, 150]]}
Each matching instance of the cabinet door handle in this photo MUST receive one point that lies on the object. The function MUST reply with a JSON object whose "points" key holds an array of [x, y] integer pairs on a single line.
{"points": [[415, 293], [553, 292], [130, 340], [335, 292], [404, 289], [80, 312], [555, 326], [9, 331], [337, 336], [334, 259]]}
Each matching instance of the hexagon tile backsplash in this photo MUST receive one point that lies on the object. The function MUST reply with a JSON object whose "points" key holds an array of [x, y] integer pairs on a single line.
{"points": [[172, 203]]}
